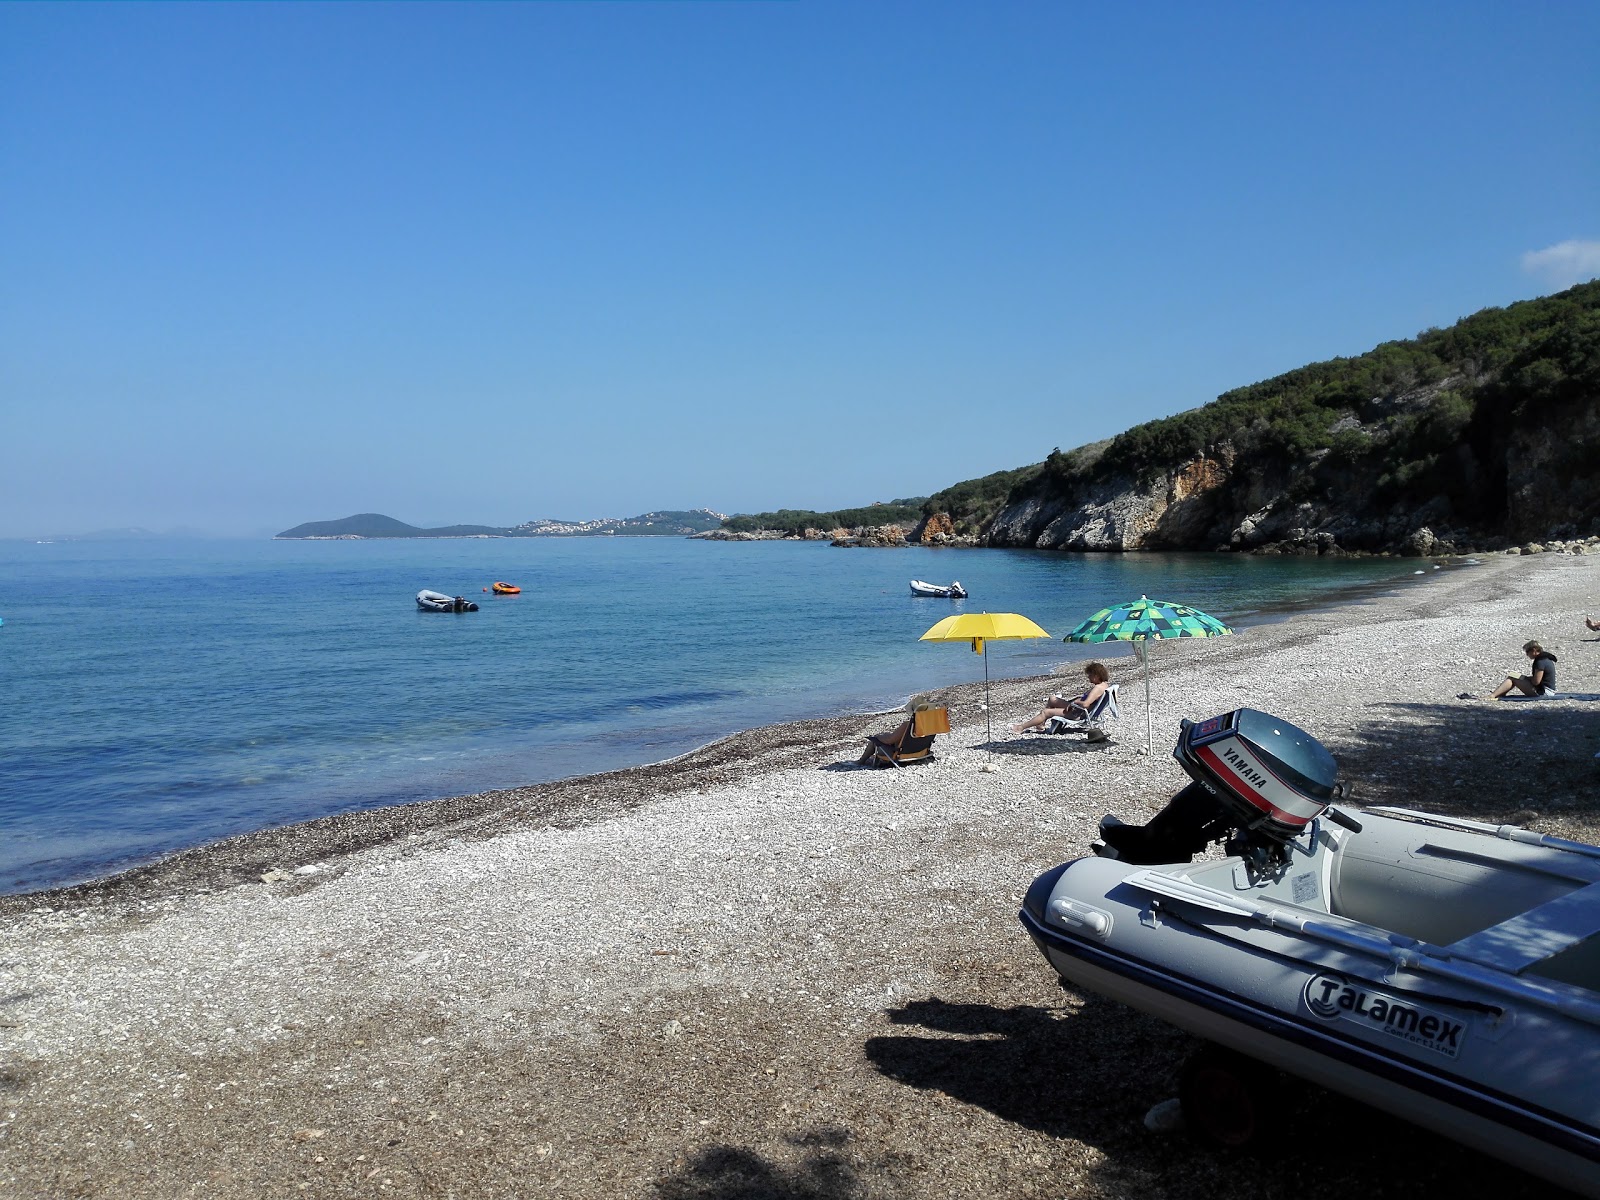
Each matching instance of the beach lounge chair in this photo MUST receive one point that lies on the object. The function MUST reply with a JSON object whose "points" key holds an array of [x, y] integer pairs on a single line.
{"points": [[1103, 709], [915, 743]]}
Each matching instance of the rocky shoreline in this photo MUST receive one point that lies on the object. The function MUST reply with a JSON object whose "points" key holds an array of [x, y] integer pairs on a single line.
{"points": [[752, 971], [938, 531]]}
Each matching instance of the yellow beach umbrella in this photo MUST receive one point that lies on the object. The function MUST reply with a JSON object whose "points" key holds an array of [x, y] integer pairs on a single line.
{"points": [[980, 629]]}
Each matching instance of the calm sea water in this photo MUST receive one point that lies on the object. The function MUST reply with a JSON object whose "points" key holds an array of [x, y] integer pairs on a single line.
{"points": [[159, 695]]}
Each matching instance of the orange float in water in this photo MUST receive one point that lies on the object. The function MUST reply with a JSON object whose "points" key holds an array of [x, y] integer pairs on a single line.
{"points": [[507, 589]]}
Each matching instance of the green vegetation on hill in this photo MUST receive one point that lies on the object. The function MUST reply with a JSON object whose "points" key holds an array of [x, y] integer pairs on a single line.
{"points": [[1537, 350], [1429, 421], [973, 503], [797, 520]]}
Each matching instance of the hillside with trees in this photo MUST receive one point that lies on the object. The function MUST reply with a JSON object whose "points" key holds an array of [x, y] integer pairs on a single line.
{"points": [[1481, 434], [795, 521]]}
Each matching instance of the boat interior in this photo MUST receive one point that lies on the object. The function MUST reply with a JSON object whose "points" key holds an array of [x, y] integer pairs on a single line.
{"points": [[1527, 906]]}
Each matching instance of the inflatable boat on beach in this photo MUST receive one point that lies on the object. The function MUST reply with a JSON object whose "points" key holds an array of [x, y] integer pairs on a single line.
{"points": [[1442, 970], [948, 591], [438, 602]]}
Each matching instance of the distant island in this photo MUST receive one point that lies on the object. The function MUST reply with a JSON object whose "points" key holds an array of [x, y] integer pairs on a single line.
{"points": [[376, 525]]}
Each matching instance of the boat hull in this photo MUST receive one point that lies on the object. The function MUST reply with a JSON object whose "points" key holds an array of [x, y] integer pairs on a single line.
{"points": [[430, 601], [1512, 1080], [943, 591]]}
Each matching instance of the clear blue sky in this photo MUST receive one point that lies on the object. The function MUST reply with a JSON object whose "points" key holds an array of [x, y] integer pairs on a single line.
{"points": [[264, 264]]}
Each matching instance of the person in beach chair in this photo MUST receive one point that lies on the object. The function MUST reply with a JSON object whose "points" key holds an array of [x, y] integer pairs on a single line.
{"points": [[1084, 712], [910, 741]]}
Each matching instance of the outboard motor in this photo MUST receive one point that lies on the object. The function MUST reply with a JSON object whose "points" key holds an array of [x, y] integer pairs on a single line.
{"points": [[1258, 781]]}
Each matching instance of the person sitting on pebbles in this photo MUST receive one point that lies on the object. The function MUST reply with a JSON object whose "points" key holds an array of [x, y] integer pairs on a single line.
{"points": [[1542, 680], [1075, 709]]}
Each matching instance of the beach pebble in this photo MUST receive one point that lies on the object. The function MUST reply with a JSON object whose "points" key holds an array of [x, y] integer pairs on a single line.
{"points": [[307, 870]]}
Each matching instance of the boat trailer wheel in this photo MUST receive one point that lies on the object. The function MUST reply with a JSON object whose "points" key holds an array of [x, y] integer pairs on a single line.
{"points": [[1228, 1098]]}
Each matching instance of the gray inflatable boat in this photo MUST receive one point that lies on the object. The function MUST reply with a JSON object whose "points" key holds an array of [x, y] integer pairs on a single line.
{"points": [[429, 601], [1443, 970]]}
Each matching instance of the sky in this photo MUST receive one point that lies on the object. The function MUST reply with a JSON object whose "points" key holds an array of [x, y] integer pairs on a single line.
{"points": [[263, 264]]}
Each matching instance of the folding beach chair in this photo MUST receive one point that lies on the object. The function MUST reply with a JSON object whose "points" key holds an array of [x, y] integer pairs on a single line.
{"points": [[1103, 709], [915, 743]]}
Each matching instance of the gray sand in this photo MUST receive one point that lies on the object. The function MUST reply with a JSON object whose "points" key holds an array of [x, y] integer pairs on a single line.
{"points": [[755, 971]]}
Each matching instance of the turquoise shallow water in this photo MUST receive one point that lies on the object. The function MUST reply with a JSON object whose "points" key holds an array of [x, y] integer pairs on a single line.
{"points": [[163, 694]]}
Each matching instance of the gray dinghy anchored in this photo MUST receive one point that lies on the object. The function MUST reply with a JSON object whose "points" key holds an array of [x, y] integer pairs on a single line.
{"points": [[1443, 970]]}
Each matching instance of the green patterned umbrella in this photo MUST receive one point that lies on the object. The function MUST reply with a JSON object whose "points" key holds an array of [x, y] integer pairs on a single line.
{"points": [[1142, 621]]}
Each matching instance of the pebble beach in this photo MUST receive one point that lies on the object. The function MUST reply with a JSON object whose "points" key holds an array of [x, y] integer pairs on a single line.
{"points": [[757, 970]]}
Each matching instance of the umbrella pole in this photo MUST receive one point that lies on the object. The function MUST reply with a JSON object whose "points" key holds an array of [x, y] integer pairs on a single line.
{"points": [[1149, 735], [1141, 652], [988, 717]]}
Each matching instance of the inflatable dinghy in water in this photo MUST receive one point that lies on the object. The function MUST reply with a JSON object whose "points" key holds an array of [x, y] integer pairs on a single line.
{"points": [[1443, 970], [428, 601], [946, 591]]}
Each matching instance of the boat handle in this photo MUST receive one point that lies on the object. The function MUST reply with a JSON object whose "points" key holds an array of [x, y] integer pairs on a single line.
{"points": [[1084, 917], [1339, 817]]}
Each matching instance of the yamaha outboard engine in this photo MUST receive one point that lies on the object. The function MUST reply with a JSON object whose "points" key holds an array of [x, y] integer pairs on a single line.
{"points": [[1258, 781]]}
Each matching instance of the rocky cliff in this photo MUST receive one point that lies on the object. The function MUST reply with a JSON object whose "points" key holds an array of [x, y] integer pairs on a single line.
{"points": [[1482, 435]]}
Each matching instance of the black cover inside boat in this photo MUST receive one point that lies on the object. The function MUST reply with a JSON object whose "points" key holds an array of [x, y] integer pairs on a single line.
{"points": [[1191, 820]]}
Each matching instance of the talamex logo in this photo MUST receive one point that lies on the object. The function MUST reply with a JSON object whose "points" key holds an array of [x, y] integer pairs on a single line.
{"points": [[1247, 769], [1332, 997]]}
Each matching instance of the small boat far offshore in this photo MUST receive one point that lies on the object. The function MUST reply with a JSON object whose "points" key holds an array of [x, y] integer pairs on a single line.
{"points": [[1443, 970], [429, 601], [947, 591], [506, 589]]}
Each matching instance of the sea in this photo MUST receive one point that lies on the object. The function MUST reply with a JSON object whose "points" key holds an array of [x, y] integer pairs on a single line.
{"points": [[162, 694]]}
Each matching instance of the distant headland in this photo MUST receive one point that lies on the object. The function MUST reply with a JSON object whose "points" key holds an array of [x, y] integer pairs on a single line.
{"points": [[376, 525]]}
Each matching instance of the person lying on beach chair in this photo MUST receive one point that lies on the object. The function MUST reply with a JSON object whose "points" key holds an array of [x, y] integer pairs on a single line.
{"points": [[1084, 711], [909, 741], [1093, 720]]}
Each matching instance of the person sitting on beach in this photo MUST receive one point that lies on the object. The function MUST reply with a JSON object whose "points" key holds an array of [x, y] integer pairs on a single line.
{"points": [[1542, 682], [1077, 708], [892, 740]]}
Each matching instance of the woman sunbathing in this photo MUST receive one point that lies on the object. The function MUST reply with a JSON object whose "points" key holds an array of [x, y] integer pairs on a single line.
{"points": [[1075, 709]]}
